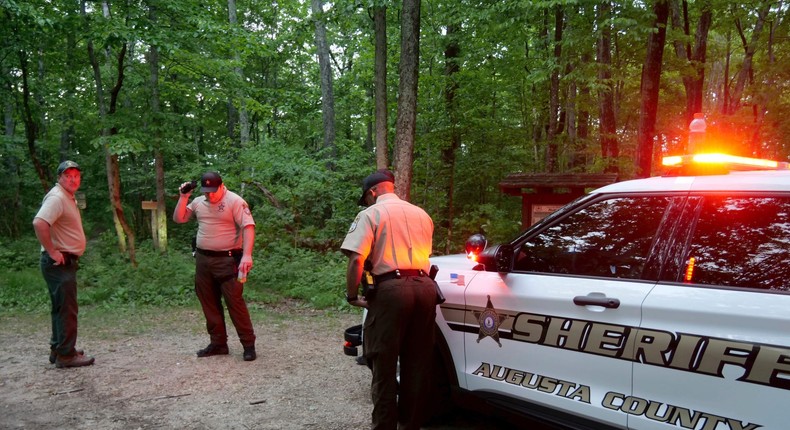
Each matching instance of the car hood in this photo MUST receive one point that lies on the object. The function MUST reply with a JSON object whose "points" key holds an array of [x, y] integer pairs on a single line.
{"points": [[456, 263]]}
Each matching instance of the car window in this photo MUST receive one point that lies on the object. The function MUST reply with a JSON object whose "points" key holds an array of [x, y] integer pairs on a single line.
{"points": [[741, 242], [609, 238]]}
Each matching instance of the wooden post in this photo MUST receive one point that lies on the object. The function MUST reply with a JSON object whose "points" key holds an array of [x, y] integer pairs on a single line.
{"points": [[151, 205]]}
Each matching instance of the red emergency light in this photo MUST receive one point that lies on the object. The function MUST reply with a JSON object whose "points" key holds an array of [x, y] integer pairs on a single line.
{"points": [[745, 163]]}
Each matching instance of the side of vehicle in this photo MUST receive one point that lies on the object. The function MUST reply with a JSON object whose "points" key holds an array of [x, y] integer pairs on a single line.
{"points": [[649, 304]]}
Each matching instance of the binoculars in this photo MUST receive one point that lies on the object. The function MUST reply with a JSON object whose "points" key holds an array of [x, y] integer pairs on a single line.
{"points": [[189, 186]]}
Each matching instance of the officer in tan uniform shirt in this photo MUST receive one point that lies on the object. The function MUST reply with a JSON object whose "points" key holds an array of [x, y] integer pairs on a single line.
{"points": [[58, 227], [396, 236], [225, 237]]}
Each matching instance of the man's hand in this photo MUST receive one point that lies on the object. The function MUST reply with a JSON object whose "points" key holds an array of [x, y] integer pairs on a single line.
{"points": [[186, 188], [58, 257], [360, 301], [245, 265]]}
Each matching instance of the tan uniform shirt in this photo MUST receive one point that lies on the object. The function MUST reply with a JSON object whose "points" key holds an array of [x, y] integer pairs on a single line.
{"points": [[220, 225], [60, 211], [393, 233]]}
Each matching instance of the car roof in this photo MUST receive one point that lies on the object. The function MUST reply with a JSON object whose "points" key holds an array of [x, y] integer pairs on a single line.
{"points": [[739, 181]]}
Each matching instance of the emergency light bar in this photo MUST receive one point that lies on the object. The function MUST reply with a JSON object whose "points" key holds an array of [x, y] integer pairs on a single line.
{"points": [[723, 161]]}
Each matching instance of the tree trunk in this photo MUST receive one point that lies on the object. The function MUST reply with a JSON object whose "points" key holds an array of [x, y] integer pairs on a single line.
{"points": [[552, 162], [695, 57], [380, 93], [763, 99], [233, 116], [67, 131], [610, 150], [582, 122], [159, 233], [726, 81], [325, 67], [406, 123], [651, 79], [244, 121], [31, 125], [11, 162], [122, 228], [746, 68], [9, 125], [451, 53]]}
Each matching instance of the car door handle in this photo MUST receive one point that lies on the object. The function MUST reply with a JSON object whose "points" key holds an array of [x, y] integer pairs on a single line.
{"points": [[596, 300]]}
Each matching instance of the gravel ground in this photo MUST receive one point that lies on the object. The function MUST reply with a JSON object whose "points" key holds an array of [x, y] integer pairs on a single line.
{"points": [[147, 376]]}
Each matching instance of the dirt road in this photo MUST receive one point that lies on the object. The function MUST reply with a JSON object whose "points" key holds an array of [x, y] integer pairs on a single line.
{"points": [[147, 376]]}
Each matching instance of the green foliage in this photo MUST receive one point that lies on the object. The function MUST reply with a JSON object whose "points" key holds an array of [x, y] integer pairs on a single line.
{"points": [[22, 286], [16, 255], [23, 290], [489, 220], [107, 280], [159, 279], [315, 277]]}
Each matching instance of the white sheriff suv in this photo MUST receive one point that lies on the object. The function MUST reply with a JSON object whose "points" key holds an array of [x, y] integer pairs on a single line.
{"points": [[660, 303]]}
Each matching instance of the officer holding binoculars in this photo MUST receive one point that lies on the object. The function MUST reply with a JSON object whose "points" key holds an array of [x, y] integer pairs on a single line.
{"points": [[225, 237]]}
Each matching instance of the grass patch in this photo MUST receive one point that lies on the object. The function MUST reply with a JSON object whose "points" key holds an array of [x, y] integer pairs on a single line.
{"points": [[107, 280], [23, 290]]}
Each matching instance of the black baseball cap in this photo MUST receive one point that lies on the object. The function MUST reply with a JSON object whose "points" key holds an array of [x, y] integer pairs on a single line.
{"points": [[66, 165], [210, 182], [375, 178]]}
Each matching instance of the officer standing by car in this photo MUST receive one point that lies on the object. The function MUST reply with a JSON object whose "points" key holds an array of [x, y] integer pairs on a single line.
{"points": [[396, 236]]}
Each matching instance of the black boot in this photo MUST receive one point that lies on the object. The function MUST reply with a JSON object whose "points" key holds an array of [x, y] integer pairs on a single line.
{"points": [[249, 353], [213, 349]]}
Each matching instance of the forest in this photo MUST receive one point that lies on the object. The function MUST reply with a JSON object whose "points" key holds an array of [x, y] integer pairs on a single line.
{"points": [[294, 102]]}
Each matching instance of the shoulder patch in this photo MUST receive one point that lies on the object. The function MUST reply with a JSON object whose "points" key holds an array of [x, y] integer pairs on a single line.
{"points": [[354, 224]]}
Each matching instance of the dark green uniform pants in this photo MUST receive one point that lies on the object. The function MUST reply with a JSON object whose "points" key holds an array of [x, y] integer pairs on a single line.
{"points": [[62, 283], [400, 328]]}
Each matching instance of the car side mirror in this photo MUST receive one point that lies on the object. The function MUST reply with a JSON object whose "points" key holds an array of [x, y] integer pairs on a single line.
{"points": [[498, 258], [504, 258]]}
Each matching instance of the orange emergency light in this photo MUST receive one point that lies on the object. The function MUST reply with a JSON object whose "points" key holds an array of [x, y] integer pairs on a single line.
{"points": [[690, 269], [718, 163]]}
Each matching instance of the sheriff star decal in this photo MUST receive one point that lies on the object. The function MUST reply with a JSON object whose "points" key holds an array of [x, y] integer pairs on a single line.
{"points": [[489, 323]]}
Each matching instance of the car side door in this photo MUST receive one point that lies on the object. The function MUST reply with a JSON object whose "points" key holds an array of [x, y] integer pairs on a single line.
{"points": [[554, 328], [718, 355]]}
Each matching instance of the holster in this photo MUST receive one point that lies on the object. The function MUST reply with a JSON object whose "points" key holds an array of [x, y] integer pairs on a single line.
{"points": [[368, 287]]}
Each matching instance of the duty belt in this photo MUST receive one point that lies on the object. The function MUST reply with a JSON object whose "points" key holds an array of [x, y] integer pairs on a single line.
{"points": [[209, 253], [398, 273]]}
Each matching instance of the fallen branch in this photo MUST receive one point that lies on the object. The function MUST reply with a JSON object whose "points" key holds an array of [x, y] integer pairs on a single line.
{"points": [[171, 396], [67, 391], [269, 195]]}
